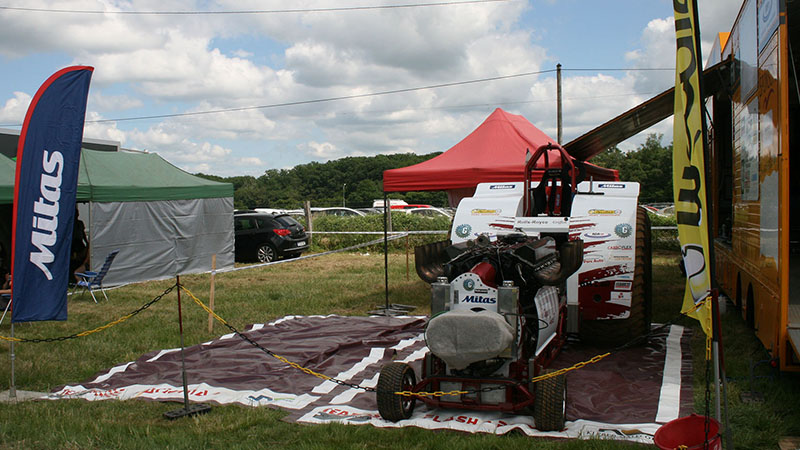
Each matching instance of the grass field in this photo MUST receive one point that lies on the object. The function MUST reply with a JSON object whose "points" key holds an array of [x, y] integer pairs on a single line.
{"points": [[346, 284]]}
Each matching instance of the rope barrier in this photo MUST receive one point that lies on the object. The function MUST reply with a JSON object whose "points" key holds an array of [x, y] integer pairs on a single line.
{"points": [[402, 233], [95, 330]]}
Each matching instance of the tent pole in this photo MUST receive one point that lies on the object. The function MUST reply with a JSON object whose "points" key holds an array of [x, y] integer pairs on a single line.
{"points": [[719, 369], [211, 293], [12, 392], [386, 248], [183, 359], [187, 410]]}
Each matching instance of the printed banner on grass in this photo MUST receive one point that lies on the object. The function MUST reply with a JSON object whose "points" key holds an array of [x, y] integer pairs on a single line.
{"points": [[48, 156], [688, 165]]}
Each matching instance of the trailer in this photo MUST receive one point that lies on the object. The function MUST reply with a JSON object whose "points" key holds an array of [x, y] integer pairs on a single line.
{"points": [[752, 93]]}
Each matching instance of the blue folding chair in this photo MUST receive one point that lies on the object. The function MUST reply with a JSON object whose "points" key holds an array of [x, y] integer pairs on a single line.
{"points": [[94, 280]]}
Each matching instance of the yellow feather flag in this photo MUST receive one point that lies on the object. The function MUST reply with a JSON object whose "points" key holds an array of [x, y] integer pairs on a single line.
{"points": [[688, 168]]}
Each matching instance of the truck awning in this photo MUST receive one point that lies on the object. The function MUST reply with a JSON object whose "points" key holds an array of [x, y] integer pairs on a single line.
{"points": [[642, 117]]}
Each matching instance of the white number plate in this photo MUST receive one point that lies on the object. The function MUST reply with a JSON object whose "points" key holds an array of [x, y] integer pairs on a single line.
{"points": [[301, 243]]}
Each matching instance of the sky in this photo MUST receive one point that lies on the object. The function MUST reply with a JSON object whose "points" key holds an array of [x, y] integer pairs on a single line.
{"points": [[241, 87]]}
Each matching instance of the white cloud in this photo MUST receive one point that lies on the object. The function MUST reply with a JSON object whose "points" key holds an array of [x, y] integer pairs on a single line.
{"points": [[320, 150], [102, 130], [14, 109], [177, 64], [100, 101]]}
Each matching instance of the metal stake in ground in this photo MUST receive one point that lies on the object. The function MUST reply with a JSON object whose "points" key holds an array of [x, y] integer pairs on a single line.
{"points": [[187, 410]]}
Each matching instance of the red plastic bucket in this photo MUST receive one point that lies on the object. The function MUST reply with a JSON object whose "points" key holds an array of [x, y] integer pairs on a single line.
{"points": [[688, 432]]}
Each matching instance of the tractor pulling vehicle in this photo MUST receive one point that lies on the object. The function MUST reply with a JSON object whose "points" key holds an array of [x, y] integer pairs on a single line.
{"points": [[522, 270]]}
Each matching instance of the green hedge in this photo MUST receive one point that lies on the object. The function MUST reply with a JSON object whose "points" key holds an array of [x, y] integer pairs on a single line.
{"points": [[374, 222], [664, 239], [661, 239]]}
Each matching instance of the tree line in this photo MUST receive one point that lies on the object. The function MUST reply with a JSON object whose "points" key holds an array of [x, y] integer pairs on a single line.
{"points": [[357, 181]]}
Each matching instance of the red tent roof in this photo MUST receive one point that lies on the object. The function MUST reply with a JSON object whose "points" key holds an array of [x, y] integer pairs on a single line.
{"points": [[494, 152]]}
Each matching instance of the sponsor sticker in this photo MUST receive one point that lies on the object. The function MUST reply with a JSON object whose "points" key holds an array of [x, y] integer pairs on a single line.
{"points": [[463, 230], [605, 212], [623, 230], [469, 284], [485, 212], [611, 186], [623, 285], [479, 299], [593, 260], [620, 247], [501, 186], [621, 258], [596, 235], [621, 295]]}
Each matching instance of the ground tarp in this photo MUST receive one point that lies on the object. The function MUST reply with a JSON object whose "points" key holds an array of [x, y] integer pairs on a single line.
{"points": [[626, 396]]}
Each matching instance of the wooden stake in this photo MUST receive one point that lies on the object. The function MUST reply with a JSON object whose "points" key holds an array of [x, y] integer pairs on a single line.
{"points": [[407, 255], [211, 293], [309, 221]]}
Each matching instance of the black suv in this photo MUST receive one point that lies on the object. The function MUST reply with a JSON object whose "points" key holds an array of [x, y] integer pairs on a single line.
{"points": [[267, 237]]}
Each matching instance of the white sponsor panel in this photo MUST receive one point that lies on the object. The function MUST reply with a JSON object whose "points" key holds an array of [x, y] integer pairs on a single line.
{"points": [[482, 422], [197, 393]]}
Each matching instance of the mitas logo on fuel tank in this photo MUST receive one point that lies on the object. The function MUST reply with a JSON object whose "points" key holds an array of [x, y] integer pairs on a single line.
{"points": [[45, 219], [479, 299]]}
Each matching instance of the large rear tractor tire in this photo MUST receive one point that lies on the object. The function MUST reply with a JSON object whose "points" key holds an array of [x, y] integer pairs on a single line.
{"points": [[395, 377], [615, 332], [550, 403]]}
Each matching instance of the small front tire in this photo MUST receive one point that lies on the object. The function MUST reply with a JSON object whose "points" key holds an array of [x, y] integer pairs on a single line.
{"points": [[395, 377]]}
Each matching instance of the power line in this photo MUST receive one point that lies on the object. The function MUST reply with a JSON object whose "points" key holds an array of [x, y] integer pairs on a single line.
{"points": [[253, 11], [493, 104], [366, 95], [322, 100], [642, 69]]}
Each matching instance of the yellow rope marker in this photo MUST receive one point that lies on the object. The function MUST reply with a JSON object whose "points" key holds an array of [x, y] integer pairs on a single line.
{"points": [[429, 394], [82, 333], [569, 369]]}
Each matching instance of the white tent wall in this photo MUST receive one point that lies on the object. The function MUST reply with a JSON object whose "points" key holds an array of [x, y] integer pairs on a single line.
{"points": [[160, 239]]}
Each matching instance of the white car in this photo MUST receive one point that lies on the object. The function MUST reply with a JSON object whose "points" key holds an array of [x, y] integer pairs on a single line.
{"points": [[427, 212], [334, 211], [340, 211]]}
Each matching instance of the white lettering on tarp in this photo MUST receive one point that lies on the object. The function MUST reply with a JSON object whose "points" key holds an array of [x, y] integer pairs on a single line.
{"points": [[45, 220]]}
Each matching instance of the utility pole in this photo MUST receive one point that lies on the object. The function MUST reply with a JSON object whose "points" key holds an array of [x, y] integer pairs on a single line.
{"points": [[558, 101]]}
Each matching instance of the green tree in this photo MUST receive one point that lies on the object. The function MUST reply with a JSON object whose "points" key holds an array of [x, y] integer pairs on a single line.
{"points": [[650, 165]]}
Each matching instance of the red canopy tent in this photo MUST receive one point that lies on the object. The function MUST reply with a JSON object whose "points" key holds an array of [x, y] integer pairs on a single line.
{"points": [[494, 152]]}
